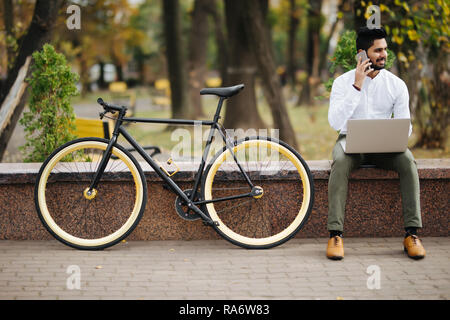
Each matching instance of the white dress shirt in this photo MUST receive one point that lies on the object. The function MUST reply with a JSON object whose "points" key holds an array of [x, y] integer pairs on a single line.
{"points": [[379, 98]]}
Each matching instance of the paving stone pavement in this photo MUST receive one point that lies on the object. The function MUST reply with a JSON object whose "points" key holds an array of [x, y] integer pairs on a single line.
{"points": [[373, 268]]}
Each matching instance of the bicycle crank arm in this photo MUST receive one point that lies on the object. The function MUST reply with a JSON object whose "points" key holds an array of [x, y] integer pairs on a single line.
{"points": [[211, 224], [207, 220]]}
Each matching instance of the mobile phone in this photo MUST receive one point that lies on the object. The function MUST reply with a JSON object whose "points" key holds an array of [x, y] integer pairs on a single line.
{"points": [[362, 55]]}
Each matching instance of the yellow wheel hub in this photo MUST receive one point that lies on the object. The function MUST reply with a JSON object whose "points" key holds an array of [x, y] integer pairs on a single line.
{"points": [[90, 195], [259, 191]]}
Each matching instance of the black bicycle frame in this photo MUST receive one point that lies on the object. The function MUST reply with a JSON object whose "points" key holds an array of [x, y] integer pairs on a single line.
{"points": [[119, 129]]}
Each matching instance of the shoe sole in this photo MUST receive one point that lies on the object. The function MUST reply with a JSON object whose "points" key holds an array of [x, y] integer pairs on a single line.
{"points": [[335, 258], [413, 257]]}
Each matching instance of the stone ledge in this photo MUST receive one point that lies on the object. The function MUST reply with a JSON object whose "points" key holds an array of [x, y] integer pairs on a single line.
{"points": [[320, 169], [373, 204]]}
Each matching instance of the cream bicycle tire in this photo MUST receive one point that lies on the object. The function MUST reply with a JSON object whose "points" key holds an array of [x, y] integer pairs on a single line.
{"points": [[50, 207]]}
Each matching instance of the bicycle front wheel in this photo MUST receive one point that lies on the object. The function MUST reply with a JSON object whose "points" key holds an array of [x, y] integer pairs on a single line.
{"points": [[86, 220], [259, 221]]}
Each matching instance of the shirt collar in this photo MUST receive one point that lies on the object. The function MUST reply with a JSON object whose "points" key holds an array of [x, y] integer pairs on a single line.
{"points": [[378, 76]]}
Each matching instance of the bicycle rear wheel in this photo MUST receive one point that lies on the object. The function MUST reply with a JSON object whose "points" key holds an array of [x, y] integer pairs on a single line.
{"points": [[90, 221], [259, 222]]}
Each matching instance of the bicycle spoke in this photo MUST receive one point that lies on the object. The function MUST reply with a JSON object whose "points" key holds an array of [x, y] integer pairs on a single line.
{"points": [[71, 210], [83, 222], [244, 217], [264, 221], [231, 188], [236, 206]]}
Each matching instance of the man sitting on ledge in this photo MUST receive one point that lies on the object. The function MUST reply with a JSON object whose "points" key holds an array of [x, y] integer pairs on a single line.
{"points": [[371, 92]]}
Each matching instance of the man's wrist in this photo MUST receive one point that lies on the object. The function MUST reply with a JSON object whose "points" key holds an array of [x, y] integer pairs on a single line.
{"points": [[357, 87]]}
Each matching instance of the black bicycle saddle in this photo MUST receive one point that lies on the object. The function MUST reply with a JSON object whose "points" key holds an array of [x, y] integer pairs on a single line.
{"points": [[224, 92]]}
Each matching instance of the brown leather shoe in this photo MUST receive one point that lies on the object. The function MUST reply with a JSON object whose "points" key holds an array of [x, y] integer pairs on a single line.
{"points": [[413, 247], [335, 249]]}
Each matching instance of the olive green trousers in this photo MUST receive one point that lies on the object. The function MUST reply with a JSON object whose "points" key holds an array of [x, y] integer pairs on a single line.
{"points": [[343, 164]]}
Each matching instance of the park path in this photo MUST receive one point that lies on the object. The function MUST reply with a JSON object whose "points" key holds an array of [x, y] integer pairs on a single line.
{"points": [[373, 268]]}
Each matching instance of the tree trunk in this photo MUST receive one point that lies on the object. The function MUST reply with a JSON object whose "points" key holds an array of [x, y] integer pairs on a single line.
{"points": [[101, 82], [8, 18], [241, 110], [294, 21], [411, 76], [256, 26], [119, 71], [222, 46], [84, 75], [313, 54], [181, 106], [433, 132], [358, 15], [324, 54], [197, 54], [39, 32], [348, 18]]}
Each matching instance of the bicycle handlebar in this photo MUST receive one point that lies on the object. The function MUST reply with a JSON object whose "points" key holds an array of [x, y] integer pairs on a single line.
{"points": [[109, 107]]}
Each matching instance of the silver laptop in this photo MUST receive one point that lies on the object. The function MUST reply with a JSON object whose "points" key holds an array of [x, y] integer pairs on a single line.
{"points": [[376, 135]]}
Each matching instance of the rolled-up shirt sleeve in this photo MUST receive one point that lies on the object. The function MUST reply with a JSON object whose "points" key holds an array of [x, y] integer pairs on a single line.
{"points": [[401, 105], [344, 100]]}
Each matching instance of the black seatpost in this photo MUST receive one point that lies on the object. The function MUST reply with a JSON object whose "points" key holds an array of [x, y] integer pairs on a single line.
{"points": [[219, 108]]}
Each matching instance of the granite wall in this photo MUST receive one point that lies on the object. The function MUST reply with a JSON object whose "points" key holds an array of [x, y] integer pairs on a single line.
{"points": [[373, 205]]}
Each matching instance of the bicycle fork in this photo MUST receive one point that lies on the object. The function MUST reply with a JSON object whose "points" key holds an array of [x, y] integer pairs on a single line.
{"points": [[91, 192]]}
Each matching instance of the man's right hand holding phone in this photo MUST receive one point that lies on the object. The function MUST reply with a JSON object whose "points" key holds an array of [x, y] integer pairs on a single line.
{"points": [[362, 70]]}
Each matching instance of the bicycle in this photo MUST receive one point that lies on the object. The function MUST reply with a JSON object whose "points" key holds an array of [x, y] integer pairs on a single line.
{"points": [[237, 193]]}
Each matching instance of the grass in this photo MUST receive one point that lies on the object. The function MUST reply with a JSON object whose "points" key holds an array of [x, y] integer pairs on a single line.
{"points": [[315, 137]]}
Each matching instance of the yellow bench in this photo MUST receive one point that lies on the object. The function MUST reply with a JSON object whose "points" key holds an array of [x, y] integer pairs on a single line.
{"points": [[102, 129], [93, 128], [162, 85], [213, 82]]}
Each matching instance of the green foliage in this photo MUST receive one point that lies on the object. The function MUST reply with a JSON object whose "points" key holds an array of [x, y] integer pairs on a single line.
{"points": [[410, 23], [344, 56], [50, 121], [419, 34]]}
